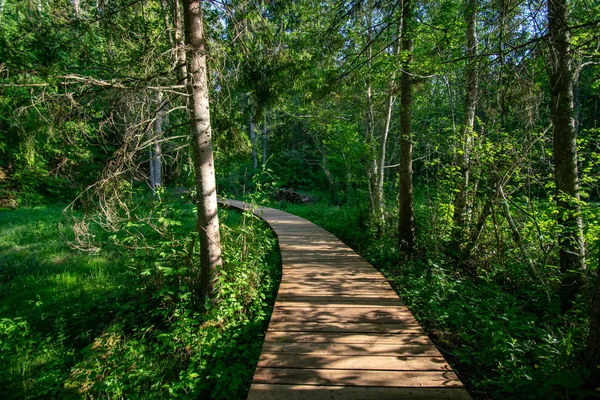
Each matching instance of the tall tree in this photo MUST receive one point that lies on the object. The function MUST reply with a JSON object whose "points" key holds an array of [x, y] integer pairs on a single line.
{"points": [[199, 114], [406, 227], [383, 138], [371, 163], [466, 139], [570, 237]]}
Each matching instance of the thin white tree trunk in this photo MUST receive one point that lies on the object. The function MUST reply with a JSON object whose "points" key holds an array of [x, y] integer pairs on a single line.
{"points": [[158, 129], [253, 142], [151, 160], [265, 139], [379, 212], [76, 7]]}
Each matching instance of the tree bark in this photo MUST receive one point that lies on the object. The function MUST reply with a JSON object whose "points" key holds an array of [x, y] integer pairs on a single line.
{"points": [[463, 156], [406, 226], [151, 160], [253, 142], [181, 65], [371, 162], [379, 203], [265, 138], [570, 237], [199, 115], [157, 156], [76, 7]]}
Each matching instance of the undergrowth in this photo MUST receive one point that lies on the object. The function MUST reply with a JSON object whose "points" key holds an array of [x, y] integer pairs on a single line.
{"points": [[122, 323], [503, 331]]}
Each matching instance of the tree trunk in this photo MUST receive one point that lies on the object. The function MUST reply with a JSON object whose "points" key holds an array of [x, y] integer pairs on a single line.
{"points": [[570, 237], [406, 226], [199, 115], [76, 7], [181, 65], [371, 162], [378, 214], [379, 211], [151, 160], [463, 157], [169, 33], [253, 142], [157, 156], [264, 138]]}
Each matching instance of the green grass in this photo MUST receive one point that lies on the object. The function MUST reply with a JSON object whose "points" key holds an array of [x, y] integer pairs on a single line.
{"points": [[124, 323], [53, 301]]}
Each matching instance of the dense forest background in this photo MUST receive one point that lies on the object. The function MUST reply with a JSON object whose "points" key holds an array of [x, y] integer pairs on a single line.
{"points": [[454, 144]]}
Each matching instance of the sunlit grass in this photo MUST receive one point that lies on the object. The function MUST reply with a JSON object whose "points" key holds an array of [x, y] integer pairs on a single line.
{"points": [[77, 325], [50, 298]]}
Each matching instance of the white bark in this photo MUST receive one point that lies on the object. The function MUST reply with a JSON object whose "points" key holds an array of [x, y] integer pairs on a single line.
{"points": [[253, 143], [264, 138]]}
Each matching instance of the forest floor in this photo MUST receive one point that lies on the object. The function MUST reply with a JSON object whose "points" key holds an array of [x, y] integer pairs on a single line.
{"points": [[120, 324]]}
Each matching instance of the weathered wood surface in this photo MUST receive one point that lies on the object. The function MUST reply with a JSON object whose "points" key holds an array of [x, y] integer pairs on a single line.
{"points": [[338, 329]]}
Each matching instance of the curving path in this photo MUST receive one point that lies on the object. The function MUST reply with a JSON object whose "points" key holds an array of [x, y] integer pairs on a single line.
{"points": [[338, 329]]}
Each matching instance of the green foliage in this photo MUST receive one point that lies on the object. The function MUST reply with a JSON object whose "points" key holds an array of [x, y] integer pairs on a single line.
{"points": [[74, 325], [502, 332]]}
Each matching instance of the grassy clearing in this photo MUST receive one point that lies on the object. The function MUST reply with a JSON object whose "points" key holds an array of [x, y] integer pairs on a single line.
{"points": [[123, 323], [53, 301]]}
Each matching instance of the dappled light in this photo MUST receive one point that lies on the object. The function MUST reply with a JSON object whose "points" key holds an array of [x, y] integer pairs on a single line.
{"points": [[338, 328]]}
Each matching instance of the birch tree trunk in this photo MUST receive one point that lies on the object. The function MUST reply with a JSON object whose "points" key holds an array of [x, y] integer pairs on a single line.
{"points": [[406, 223], [265, 139], [76, 7], [157, 156], [371, 162], [181, 64], [253, 142], [570, 237], [379, 211], [464, 154], [199, 115], [151, 160]]}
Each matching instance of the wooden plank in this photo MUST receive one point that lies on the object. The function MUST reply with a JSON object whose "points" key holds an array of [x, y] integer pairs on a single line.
{"points": [[342, 286], [349, 349], [260, 391], [383, 294], [326, 272], [407, 339], [344, 377], [341, 315], [352, 297], [366, 362], [337, 301], [356, 309], [347, 327], [332, 318]]}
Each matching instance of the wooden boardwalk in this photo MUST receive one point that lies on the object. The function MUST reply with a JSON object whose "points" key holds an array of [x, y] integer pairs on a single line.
{"points": [[338, 329]]}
